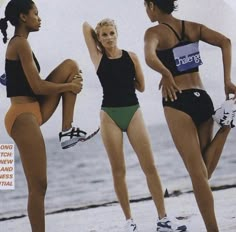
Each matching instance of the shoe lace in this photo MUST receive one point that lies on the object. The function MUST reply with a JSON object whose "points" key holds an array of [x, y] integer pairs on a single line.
{"points": [[133, 226], [75, 132], [165, 222]]}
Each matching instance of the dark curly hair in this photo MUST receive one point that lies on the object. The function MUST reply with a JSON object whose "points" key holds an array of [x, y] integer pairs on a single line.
{"points": [[12, 12], [167, 6]]}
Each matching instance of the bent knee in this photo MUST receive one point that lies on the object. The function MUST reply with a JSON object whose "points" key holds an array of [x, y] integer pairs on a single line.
{"points": [[71, 64]]}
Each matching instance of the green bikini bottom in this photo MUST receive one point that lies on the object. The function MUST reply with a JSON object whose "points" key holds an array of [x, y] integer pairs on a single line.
{"points": [[121, 115]]}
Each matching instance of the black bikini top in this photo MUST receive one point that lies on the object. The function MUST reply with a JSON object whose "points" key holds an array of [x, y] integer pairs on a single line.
{"points": [[183, 58], [16, 81]]}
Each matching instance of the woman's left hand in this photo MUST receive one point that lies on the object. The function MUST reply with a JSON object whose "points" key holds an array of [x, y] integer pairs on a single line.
{"points": [[230, 88], [169, 87]]}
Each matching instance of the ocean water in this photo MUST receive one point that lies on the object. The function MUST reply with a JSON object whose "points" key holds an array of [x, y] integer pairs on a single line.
{"points": [[81, 176]]}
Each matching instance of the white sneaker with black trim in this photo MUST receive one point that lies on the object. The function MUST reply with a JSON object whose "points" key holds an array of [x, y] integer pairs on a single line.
{"points": [[131, 226], [165, 225], [225, 115], [70, 137]]}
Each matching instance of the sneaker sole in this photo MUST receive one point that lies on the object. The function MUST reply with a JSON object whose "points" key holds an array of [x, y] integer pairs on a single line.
{"points": [[71, 142], [170, 230], [181, 229]]}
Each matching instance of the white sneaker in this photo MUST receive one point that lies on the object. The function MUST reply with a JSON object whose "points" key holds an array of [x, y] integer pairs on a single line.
{"points": [[131, 226], [225, 115], [165, 225], [71, 137]]}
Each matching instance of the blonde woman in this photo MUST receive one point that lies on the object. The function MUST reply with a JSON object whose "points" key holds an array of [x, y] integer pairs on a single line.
{"points": [[120, 75]]}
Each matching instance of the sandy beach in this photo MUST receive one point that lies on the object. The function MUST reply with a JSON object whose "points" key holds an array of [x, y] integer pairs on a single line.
{"points": [[110, 218]]}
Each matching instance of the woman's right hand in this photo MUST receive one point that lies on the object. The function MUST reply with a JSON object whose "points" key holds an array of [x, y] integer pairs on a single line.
{"points": [[76, 84], [230, 88], [168, 87]]}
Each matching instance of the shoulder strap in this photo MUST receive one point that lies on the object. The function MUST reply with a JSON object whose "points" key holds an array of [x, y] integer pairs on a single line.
{"points": [[176, 34], [172, 29], [125, 53], [183, 30]]}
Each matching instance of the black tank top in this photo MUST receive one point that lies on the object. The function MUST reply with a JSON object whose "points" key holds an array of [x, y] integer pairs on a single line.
{"points": [[183, 58], [117, 79], [17, 83]]}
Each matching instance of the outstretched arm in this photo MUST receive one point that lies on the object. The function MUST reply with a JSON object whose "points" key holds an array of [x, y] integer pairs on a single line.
{"points": [[92, 44], [217, 39]]}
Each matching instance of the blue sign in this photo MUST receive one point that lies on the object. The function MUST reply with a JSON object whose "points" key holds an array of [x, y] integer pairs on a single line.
{"points": [[187, 57]]}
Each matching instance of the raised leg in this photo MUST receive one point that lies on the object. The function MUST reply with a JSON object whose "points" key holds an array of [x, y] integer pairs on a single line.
{"points": [[48, 104], [212, 148]]}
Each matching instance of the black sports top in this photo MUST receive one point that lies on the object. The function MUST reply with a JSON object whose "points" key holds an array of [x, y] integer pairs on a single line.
{"points": [[117, 79], [183, 58], [17, 84]]}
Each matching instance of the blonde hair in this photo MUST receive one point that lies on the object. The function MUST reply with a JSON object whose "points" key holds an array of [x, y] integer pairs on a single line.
{"points": [[105, 22]]}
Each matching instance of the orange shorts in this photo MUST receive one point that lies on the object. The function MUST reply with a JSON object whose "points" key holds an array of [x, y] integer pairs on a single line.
{"points": [[16, 109]]}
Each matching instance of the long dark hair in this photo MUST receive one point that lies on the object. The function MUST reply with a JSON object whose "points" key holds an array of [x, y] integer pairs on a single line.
{"points": [[167, 6], [12, 13]]}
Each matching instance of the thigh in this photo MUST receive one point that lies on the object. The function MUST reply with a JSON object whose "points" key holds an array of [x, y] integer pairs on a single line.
{"points": [[61, 74], [139, 139], [112, 137], [28, 137], [205, 133], [185, 137]]}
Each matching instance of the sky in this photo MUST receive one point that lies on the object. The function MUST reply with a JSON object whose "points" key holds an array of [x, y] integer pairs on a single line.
{"points": [[232, 3]]}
